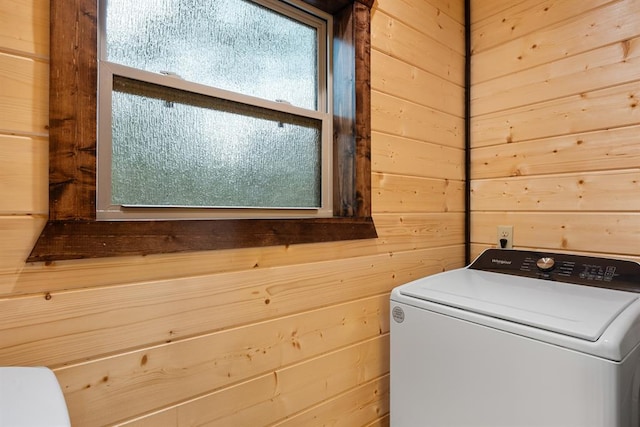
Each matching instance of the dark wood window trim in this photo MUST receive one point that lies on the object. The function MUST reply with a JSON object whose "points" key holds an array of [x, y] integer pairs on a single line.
{"points": [[72, 231]]}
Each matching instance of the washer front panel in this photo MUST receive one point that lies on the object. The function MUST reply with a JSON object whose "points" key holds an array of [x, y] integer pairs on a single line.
{"points": [[451, 372]]}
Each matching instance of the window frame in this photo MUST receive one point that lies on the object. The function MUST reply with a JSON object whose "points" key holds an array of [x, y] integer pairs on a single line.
{"points": [[107, 71], [72, 231]]}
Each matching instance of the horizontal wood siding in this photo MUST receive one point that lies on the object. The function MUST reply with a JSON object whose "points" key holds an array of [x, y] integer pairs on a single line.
{"points": [[555, 124], [24, 101], [568, 30], [284, 335]]}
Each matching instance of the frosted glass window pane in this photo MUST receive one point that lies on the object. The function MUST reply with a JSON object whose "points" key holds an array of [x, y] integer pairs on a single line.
{"points": [[235, 45], [172, 148]]}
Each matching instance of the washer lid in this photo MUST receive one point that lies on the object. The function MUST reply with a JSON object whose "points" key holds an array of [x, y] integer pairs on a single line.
{"points": [[578, 311]]}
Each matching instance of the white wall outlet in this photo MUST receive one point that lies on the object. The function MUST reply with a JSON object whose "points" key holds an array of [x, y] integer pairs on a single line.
{"points": [[505, 236]]}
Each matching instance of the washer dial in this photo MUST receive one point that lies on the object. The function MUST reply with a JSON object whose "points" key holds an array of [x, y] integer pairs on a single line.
{"points": [[546, 263]]}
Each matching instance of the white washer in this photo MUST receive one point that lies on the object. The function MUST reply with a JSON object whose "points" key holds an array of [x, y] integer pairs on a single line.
{"points": [[518, 338]]}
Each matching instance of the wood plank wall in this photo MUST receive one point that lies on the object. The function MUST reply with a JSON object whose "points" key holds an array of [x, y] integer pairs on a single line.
{"points": [[274, 336], [556, 124]]}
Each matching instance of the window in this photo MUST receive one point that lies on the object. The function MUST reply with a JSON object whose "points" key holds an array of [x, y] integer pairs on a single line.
{"points": [[73, 229], [222, 104]]}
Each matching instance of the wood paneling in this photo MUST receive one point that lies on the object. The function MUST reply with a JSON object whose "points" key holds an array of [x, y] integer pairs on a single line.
{"points": [[423, 230], [602, 109], [415, 85], [396, 39], [397, 193], [613, 64], [270, 397], [453, 8], [615, 22], [601, 150], [315, 347], [521, 18], [555, 125], [581, 192], [42, 329], [381, 422], [24, 103], [282, 335], [56, 276], [22, 163], [403, 156], [428, 19], [24, 27], [18, 234], [596, 232], [481, 10], [402, 118], [356, 407]]}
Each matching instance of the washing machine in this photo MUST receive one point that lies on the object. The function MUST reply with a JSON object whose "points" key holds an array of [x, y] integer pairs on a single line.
{"points": [[518, 338]]}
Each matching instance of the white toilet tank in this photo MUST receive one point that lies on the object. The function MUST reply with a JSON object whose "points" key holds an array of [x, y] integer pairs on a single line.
{"points": [[31, 397]]}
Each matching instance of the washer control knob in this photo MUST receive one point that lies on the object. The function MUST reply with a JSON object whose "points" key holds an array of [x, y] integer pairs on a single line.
{"points": [[546, 264]]}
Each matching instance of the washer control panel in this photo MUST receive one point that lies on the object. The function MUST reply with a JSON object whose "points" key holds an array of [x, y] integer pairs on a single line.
{"points": [[577, 269]]}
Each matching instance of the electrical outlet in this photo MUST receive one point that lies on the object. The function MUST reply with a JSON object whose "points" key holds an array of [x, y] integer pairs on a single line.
{"points": [[505, 236]]}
